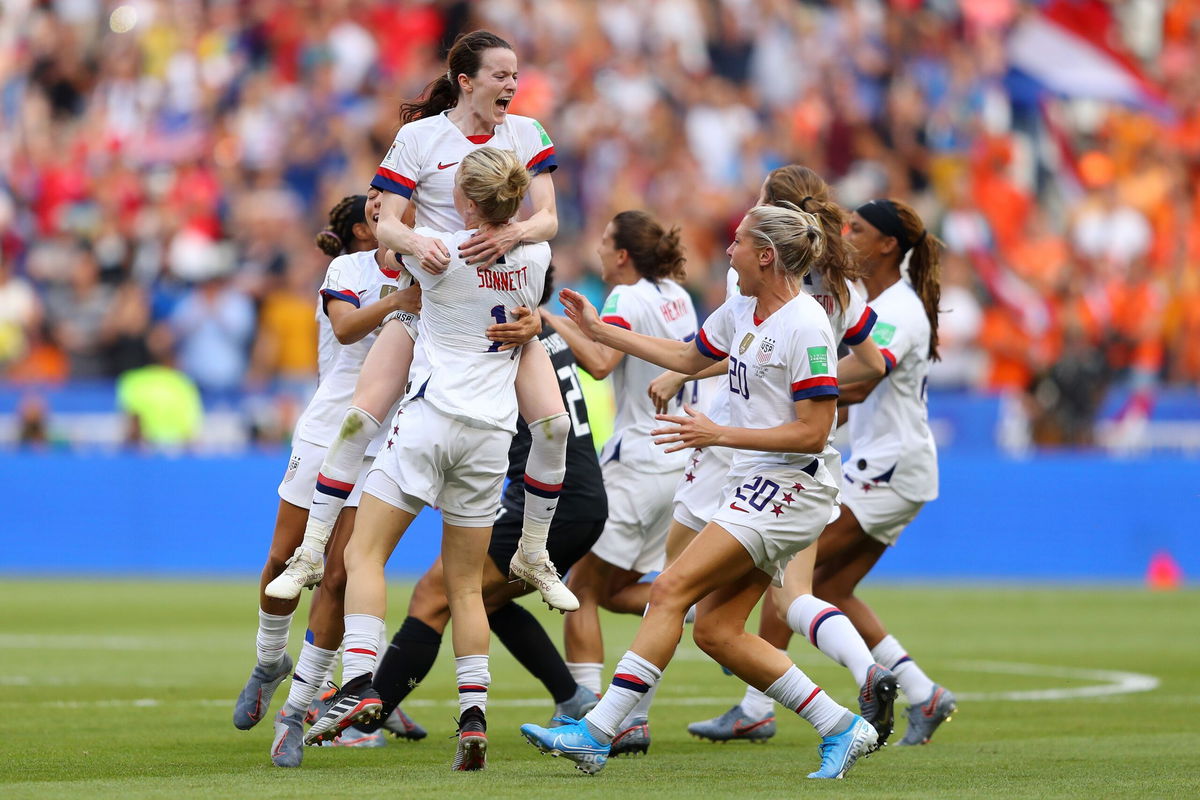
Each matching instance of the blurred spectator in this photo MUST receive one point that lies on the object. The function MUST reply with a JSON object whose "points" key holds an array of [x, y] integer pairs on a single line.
{"points": [[75, 311], [161, 404], [286, 343], [125, 330], [213, 325], [20, 313]]}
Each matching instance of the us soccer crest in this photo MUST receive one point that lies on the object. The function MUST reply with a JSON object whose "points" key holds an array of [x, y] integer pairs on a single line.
{"points": [[746, 340], [765, 348]]}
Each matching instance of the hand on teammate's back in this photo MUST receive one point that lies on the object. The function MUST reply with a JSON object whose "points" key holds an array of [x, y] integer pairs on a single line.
{"points": [[432, 254], [488, 244], [514, 334]]}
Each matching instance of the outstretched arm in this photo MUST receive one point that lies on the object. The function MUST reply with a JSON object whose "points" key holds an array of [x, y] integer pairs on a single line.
{"points": [[667, 353]]}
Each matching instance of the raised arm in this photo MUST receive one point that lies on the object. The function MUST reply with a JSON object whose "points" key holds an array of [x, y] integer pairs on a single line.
{"points": [[395, 235], [492, 241], [864, 362], [667, 353], [806, 434]]}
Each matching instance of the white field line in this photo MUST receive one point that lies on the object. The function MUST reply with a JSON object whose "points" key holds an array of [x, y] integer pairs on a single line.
{"points": [[1110, 683]]}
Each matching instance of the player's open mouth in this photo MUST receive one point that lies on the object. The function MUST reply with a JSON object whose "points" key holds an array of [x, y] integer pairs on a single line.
{"points": [[502, 103]]}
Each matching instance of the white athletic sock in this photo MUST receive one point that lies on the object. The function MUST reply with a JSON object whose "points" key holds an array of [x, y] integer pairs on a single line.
{"points": [[633, 678], [795, 690], [587, 674], [361, 641], [831, 632], [271, 641], [641, 711], [339, 471], [916, 684], [312, 668], [756, 704], [473, 681], [544, 471]]}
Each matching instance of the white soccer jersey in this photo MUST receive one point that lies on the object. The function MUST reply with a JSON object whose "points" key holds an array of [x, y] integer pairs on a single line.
{"points": [[890, 440], [857, 310], [787, 357], [455, 367], [358, 279], [420, 164], [663, 309]]}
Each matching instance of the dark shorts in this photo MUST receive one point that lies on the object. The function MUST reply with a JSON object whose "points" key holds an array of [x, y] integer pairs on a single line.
{"points": [[568, 542]]}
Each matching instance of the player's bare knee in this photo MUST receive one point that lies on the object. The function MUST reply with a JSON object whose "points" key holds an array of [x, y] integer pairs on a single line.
{"points": [[554, 428], [669, 592], [711, 636]]}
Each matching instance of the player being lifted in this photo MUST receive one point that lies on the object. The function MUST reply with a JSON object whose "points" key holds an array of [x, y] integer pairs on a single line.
{"points": [[461, 111], [447, 446], [783, 385]]}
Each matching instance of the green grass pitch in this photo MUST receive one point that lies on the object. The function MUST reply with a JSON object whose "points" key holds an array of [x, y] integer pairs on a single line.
{"points": [[124, 689]]}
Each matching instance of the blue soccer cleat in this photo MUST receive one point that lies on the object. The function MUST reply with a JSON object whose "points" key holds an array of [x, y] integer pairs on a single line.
{"points": [[571, 739], [840, 750]]}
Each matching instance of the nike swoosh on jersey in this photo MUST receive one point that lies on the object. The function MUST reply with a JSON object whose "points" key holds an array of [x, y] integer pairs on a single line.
{"points": [[446, 166], [734, 506]]}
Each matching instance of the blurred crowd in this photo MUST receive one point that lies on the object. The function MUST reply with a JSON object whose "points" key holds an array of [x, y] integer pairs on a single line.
{"points": [[164, 167]]}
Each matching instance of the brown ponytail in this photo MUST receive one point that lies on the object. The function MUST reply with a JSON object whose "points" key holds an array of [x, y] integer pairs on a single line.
{"points": [[806, 189], [655, 253], [465, 58], [338, 237], [924, 268]]}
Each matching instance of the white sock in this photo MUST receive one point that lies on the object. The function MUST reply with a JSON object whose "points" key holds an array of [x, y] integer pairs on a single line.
{"points": [[641, 711], [339, 471], [796, 691], [271, 641], [361, 641], [633, 678], [544, 471], [831, 632], [916, 684], [587, 674], [473, 681], [312, 667]]}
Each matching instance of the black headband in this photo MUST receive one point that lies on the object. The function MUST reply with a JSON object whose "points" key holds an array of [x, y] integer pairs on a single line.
{"points": [[359, 209], [884, 216]]}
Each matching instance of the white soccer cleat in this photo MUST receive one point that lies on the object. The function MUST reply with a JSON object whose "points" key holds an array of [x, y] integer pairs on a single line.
{"points": [[542, 576], [302, 571]]}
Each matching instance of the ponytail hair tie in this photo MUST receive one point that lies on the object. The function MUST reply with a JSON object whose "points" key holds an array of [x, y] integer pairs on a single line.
{"points": [[449, 77], [804, 200], [328, 232], [920, 238]]}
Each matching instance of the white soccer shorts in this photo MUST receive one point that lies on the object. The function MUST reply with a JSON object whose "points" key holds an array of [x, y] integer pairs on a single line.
{"points": [[639, 516], [441, 461], [700, 488], [300, 480], [881, 512]]}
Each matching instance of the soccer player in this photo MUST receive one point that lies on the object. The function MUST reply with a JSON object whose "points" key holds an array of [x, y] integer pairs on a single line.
{"points": [[461, 111], [447, 446], [783, 387], [576, 526], [893, 470], [830, 284], [891, 474], [360, 290], [644, 263]]}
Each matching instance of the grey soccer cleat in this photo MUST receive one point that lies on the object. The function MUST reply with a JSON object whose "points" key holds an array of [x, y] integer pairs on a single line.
{"points": [[924, 718], [255, 700], [634, 740], [877, 702], [401, 726], [576, 706], [353, 737], [287, 749], [733, 725]]}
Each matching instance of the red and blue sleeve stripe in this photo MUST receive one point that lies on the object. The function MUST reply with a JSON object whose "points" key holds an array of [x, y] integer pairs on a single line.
{"points": [[889, 360], [862, 329], [620, 322], [339, 294], [707, 349], [824, 386], [386, 180], [542, 162]]}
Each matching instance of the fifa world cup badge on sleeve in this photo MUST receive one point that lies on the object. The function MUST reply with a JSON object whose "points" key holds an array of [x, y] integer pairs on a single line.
{"points": [[883, 333], [818, 360]]}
